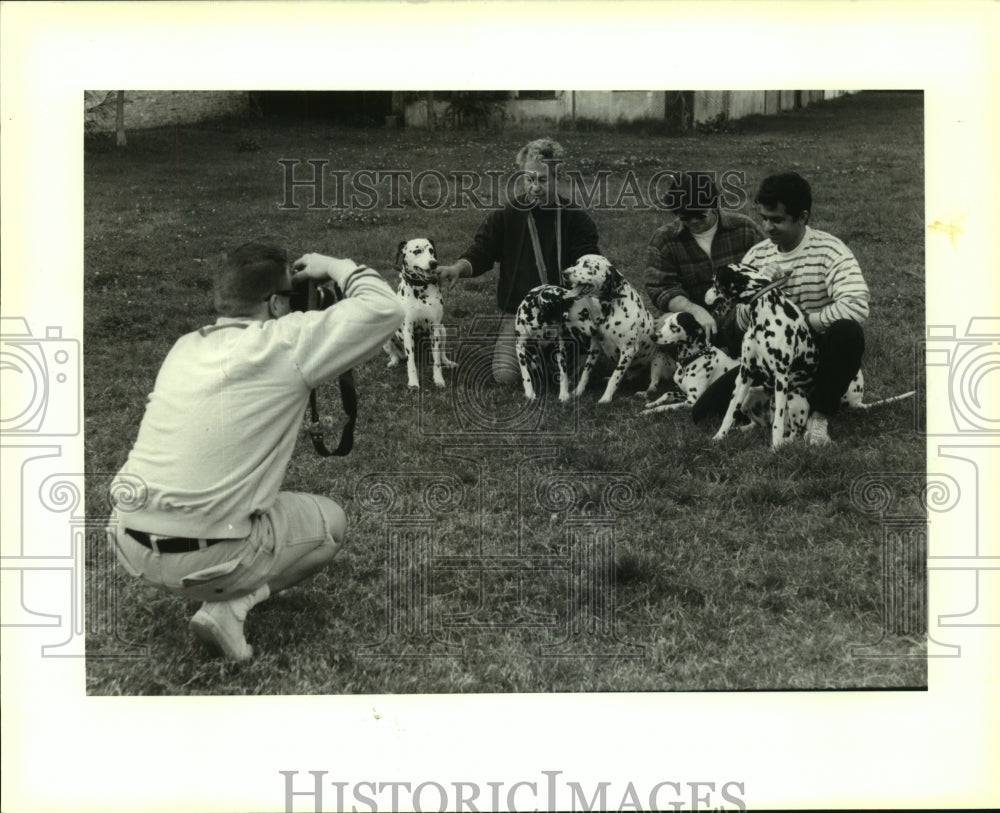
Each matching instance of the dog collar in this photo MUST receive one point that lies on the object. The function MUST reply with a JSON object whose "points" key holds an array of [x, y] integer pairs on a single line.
{"points": [[769, 287], [415, 283], [705, 351]]}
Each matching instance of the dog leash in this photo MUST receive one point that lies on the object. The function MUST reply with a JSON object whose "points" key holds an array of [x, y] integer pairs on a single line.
{"points": [[769, 287], [348, 398], [537, 246]]}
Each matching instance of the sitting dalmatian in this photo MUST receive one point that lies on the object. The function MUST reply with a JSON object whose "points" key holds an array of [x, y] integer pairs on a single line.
{"points": [[778, 352], [698, 362], [758, 408], [622, 327], [423, 309], [601, 309]]}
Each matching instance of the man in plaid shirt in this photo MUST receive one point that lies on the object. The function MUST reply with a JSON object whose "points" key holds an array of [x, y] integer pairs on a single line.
{"points": [[683, 255]]}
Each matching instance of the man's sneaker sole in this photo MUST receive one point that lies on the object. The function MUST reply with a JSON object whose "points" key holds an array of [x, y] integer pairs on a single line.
{"points": [[209, 631]]}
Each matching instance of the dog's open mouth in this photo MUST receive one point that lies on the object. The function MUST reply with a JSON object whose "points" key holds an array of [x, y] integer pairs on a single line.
{"points": [[578, 290]]}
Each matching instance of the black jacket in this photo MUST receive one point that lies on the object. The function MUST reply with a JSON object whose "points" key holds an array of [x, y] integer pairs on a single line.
{"points": [[504, 238]]}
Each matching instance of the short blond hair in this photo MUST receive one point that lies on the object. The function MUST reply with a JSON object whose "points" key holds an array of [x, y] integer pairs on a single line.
{"points": [[541, 149]]}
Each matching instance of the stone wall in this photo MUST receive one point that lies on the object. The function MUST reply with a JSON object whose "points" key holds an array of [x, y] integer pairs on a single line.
{"points": [[159, 108]]}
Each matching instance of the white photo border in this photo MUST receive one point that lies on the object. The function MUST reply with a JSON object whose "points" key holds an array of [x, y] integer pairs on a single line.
{"points": [[63, 750]]}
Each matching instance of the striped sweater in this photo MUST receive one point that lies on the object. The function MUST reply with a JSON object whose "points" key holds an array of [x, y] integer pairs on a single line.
{"points": [[824, 278]]}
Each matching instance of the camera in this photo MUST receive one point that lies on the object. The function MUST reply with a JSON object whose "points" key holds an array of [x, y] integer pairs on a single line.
{"points": [[41, 380], [309, 295], [962, 367]]}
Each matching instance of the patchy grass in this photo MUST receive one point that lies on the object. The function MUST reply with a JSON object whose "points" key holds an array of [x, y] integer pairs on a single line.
{"points": [[734, 568]]}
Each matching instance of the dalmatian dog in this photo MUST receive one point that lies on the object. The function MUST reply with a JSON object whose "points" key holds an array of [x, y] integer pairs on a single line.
{"points": [[699, 364], [760, 410], [622, 327], [423, 309], [778, 352], [553, 313]]}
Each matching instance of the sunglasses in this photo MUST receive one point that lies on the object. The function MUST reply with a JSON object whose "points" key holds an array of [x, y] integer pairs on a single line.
{"points": [[693, 216]]}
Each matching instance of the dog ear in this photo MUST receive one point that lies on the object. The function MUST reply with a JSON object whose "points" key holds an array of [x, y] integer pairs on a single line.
{"points": [[433, 247], [690, 326], [613, 283], [399, 253]]}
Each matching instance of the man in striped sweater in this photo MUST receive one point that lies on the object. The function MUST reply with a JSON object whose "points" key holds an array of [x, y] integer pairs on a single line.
{"points": [[823, 278]]}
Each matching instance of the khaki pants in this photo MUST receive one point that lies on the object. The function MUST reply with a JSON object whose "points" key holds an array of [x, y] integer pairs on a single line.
{"points": [[296, 525]]}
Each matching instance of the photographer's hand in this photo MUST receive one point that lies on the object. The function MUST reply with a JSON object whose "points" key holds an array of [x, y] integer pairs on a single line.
{"points": [[320, 267]]}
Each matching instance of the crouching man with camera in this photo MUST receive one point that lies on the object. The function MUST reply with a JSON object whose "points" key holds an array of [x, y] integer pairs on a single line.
{"points": [[197, 506]]}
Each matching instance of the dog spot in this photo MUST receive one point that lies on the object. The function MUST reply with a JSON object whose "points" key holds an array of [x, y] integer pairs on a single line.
{"points": [[790, 310]]}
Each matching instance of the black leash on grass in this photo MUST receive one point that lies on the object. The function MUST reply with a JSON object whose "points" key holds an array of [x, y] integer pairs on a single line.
{"points": [[348, 394]]}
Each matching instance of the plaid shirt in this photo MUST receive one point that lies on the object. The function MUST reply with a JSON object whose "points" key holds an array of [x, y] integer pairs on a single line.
{"points": [[677, 266]]}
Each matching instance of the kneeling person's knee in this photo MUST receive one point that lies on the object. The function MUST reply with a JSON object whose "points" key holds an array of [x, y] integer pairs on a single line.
{"points": [[506, 375], [334, 520]]}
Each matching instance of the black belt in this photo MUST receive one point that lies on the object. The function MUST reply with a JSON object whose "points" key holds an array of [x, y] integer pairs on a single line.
{"points": [[171, 544]]}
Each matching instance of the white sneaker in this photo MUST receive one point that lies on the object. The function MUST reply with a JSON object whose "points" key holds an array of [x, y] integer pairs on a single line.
{"points": [[219, 624], [816, 432]]}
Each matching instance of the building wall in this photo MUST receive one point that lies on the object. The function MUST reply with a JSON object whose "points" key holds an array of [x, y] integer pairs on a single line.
{"points": [[710, 103], [736, 104], [524, 113], [590, 104], [158, 108], [745, 103], [617, 106]]}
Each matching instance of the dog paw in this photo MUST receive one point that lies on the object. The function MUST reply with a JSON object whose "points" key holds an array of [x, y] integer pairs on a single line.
{"points": [[604, 399], [439, 383]]}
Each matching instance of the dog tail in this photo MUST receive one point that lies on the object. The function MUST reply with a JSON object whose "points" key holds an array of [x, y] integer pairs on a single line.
{"points": [[902, 397]]}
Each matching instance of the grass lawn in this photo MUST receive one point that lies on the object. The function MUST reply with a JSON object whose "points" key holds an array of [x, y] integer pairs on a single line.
{"points": [[496, 547]]}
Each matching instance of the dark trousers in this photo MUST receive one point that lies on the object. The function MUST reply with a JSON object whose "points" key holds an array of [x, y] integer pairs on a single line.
{"points": [[728, 337], [840, 348]]}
